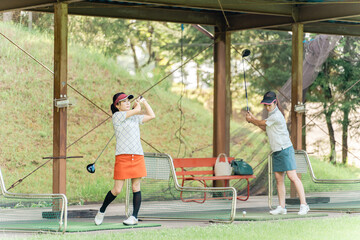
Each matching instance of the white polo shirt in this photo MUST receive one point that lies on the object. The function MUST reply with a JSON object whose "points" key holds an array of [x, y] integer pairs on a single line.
{"points": [[127, 133], [277, 132]]}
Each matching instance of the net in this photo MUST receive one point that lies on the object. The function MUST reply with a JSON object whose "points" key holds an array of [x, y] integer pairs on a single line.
{"points": [[321, 194], [32, 212], [164, 198], [316, 53]]}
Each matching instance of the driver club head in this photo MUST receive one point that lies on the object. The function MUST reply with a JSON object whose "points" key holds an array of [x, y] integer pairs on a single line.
{"points": [[245, 53], [90, 168]]}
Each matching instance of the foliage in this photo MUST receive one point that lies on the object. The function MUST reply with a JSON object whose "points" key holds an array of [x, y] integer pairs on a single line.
{"points": [[267, 68], [336, 87], [27, 136], [270, 55]]}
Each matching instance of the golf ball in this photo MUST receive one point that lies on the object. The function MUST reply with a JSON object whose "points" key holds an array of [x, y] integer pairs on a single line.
{"points": [[244, 213]]}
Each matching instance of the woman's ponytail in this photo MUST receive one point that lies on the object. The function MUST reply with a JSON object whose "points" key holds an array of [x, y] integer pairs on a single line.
{"points": [[113, 109]]}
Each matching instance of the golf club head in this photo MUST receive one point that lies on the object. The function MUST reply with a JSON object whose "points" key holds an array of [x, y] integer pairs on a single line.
{"points": [[245, 53], [90, 168]]}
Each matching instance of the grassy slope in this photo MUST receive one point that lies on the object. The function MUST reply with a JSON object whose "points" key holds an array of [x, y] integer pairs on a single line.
{"points": [[26, 91]]}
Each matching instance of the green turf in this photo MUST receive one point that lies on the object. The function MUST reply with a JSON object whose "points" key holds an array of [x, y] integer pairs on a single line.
{"points": [[223, 215], [268, 217], [350, 206], [71, 226]]}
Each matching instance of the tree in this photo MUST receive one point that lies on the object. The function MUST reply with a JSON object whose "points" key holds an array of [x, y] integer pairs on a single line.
{"points": [[321, 91], [270, 55], [349, 73], [337, 89]]}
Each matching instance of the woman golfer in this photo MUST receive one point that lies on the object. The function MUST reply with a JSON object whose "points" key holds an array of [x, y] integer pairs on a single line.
{"points": [[129, 159], [283, 155]]}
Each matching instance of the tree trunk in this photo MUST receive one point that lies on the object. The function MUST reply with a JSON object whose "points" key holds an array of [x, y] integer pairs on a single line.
{"points": [[149, 42], [345, 128], [30, 20], [332, 156], [198, 80], [136, 62], [345, 107]]}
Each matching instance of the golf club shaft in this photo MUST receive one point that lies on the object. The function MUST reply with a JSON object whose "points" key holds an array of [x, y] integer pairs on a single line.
{"points": [[247, 102], [104, 148]]}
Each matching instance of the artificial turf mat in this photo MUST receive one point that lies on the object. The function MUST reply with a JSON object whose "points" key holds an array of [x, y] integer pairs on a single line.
{"points": [[350, 206], [71, 226], [268, 217], [224, 215]]}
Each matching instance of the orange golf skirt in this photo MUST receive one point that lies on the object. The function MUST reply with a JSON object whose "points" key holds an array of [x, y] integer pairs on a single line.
{"points": [[129, 166]]}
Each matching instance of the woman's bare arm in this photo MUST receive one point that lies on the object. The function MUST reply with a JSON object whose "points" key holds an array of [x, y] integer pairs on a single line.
{"points": [[149, 112], [251, 119], [136, 110]]}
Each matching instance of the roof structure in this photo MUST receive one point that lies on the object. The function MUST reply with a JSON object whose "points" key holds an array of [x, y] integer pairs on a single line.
{"points": [[340, 17]]}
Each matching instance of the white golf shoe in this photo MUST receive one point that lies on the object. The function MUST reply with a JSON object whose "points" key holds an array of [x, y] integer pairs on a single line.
{"points": [[99, 218], [304, 209], [131, 221], [278, 210]]}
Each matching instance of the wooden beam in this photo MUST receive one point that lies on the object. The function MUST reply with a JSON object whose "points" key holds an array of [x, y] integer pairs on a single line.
{"points": [[321, 12], [142, 13], [252, 21], [6, 5], [296, 89], [265, 7], [222, 106], [60, 91], [336, 28], [21, 4]]}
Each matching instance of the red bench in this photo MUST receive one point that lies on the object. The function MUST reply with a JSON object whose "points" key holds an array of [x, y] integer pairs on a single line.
{"points": [[202, 170]]}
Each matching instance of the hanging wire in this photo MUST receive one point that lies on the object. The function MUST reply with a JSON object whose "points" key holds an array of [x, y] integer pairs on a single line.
{"points": [[312, 119], [50, 158], [43, 65], [186, 62], [222, 10], [335, 100], [49, 70], [261, 74], [317, 125], [178, 132]]}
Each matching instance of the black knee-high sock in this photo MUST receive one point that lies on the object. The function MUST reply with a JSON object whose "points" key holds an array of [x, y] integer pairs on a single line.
{"points": [[108, 199], [136, 203]]}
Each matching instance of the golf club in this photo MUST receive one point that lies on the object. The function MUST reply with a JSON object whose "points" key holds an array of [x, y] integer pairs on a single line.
{"points": [[245, 53], [91, 167]]}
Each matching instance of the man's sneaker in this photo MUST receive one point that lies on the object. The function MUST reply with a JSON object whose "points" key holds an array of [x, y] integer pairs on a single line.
{"points": [[304, 209], [99, 218], [278, 210], [131, 221]]}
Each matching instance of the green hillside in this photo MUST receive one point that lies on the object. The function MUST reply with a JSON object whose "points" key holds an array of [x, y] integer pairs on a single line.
{"points": [[26, 91]]}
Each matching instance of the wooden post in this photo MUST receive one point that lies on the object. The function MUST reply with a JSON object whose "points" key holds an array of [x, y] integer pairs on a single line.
{"points": [[296, 89], [60, 90], [222, 99]]}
